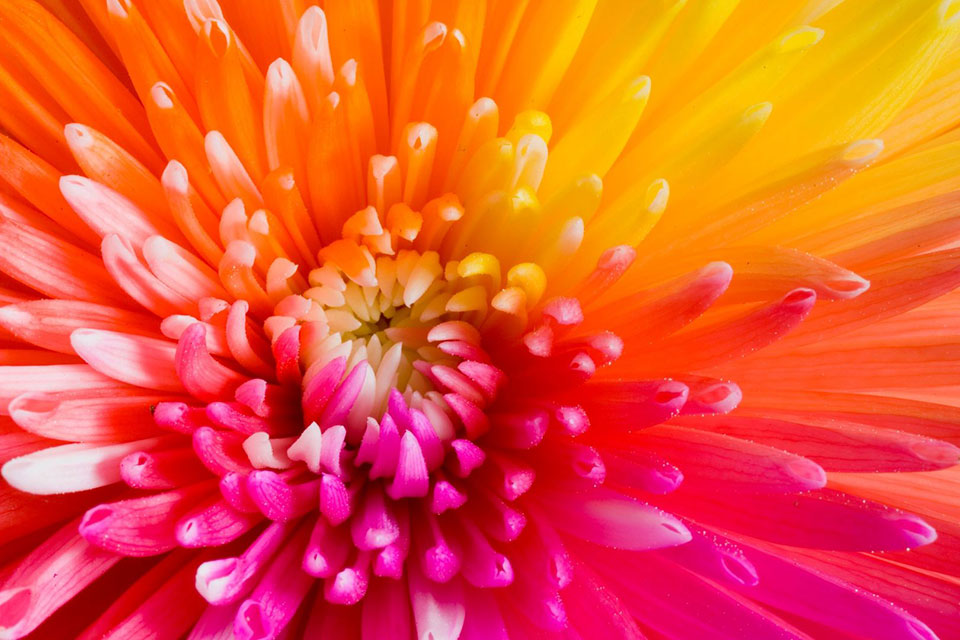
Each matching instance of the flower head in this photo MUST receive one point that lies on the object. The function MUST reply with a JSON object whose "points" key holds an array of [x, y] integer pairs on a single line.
{"points": [[479, 320]]}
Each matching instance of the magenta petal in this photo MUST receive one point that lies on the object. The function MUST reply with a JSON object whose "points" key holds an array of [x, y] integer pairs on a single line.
{"points": [[233, 488], [412, 479], [788, 586], [595, 609], [519, 429], [388, 450], [390, 561], [213, 525], [215, 623], [440, 557], [277, 596], [286, 351], [279, 499], [341, 402], [375, 525], [427, 437], [438, 609], [713, 557], [465, 458], [319, 388], [224, 581], [483, 566], [326, 550], [483, 620], [349, 585], [336, 501], [386, 611]]}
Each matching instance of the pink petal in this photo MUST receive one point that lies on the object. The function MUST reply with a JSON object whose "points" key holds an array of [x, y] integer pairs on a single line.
{"points": [[71, 467], [841, 444], [612, 519], [412, 479], [248, 349], [466, 457], [168, 610], [788, 586], [319, 387], [390, 561], [307, 448], [53, 573], [236, 417], [509, 477], [710, 397], [138, 282], [87, 416], [176, 266], [140, 526], [213, 525], [215, 623], [641, 470], [18, 380], [823, 519], [336, 499], [439, 560], [388, 450], [265, 399], [220, 451], [713, 557], [632, 405], [54, 267], [611, 265], [286, 351], [519, 429], [715, 462], [161, 470], [49, 323], [483, 566], [137, 360], [180, 417], [660, 311], [674, 602], [201, 375]]}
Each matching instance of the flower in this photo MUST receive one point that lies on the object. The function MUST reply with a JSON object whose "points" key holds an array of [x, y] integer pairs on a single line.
{"points": [[372, 321]]}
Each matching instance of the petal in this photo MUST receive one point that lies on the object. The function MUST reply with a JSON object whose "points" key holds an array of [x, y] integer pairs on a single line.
{"points": [[53, 573], [614, 520], [137, 360], [71, 467], [439, 610]]}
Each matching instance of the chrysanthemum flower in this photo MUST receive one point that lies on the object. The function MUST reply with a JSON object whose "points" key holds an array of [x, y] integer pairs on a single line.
{"points": [[373, 320]]}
